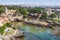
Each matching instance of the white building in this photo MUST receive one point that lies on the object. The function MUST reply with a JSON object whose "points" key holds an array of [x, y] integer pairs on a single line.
{"points": [[49, 11]]}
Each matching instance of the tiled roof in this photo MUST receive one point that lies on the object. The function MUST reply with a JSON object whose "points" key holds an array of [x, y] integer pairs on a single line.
{"points": [[11, 11]]}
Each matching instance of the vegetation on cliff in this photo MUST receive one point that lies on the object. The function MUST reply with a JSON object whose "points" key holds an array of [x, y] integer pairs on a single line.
{"points": [[4, 27]]}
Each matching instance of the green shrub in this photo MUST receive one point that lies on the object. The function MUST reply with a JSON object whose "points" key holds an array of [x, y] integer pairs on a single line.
{"points": [[4, 27]]}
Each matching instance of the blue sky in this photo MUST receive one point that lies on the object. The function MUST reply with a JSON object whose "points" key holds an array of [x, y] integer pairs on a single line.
{"points": [[31, 2]]}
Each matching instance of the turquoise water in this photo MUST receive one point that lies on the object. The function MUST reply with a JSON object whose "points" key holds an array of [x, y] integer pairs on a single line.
{"points": [[37, 33]]}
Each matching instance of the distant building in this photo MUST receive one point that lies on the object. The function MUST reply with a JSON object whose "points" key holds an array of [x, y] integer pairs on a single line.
{"points": [[49, 11], [35, 15], [58, 14], [57, 11]]}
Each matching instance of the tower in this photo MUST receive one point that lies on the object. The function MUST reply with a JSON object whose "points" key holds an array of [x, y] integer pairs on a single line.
{"points": [[6, 10]]}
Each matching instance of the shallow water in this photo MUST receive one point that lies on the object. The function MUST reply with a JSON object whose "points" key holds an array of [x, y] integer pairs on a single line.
{"points": [[37, 33]]}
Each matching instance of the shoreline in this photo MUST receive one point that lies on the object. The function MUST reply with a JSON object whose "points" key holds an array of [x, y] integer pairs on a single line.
{"points": [[38, 23]]}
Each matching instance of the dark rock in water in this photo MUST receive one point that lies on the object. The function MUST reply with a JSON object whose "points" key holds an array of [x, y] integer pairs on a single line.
{"points": [[49, 26], [16, 20]]}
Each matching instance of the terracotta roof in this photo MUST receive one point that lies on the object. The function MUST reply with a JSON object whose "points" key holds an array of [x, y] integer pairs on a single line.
{"points": [[11, 11]]}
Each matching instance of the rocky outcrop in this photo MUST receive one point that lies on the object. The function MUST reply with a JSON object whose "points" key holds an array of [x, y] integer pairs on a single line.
{"points": [[12, 36], [56, 32]]}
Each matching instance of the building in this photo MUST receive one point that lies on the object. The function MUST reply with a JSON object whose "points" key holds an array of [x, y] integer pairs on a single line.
{"points": [[10, 12], [49, 11], [3, 20], [35, 15], [57, 11]]}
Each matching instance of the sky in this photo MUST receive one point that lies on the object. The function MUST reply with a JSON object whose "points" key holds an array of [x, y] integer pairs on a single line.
{"points": [[31, 2]]}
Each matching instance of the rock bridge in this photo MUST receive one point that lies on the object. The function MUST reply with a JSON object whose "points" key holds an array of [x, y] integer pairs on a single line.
{"points": [[15, 17]]}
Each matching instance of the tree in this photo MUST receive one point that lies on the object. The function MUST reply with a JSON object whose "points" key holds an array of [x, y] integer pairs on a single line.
{"points": [[44, 16], [53, 15], [35, 9], [12, 7], [23, 11], [1, 10]]}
